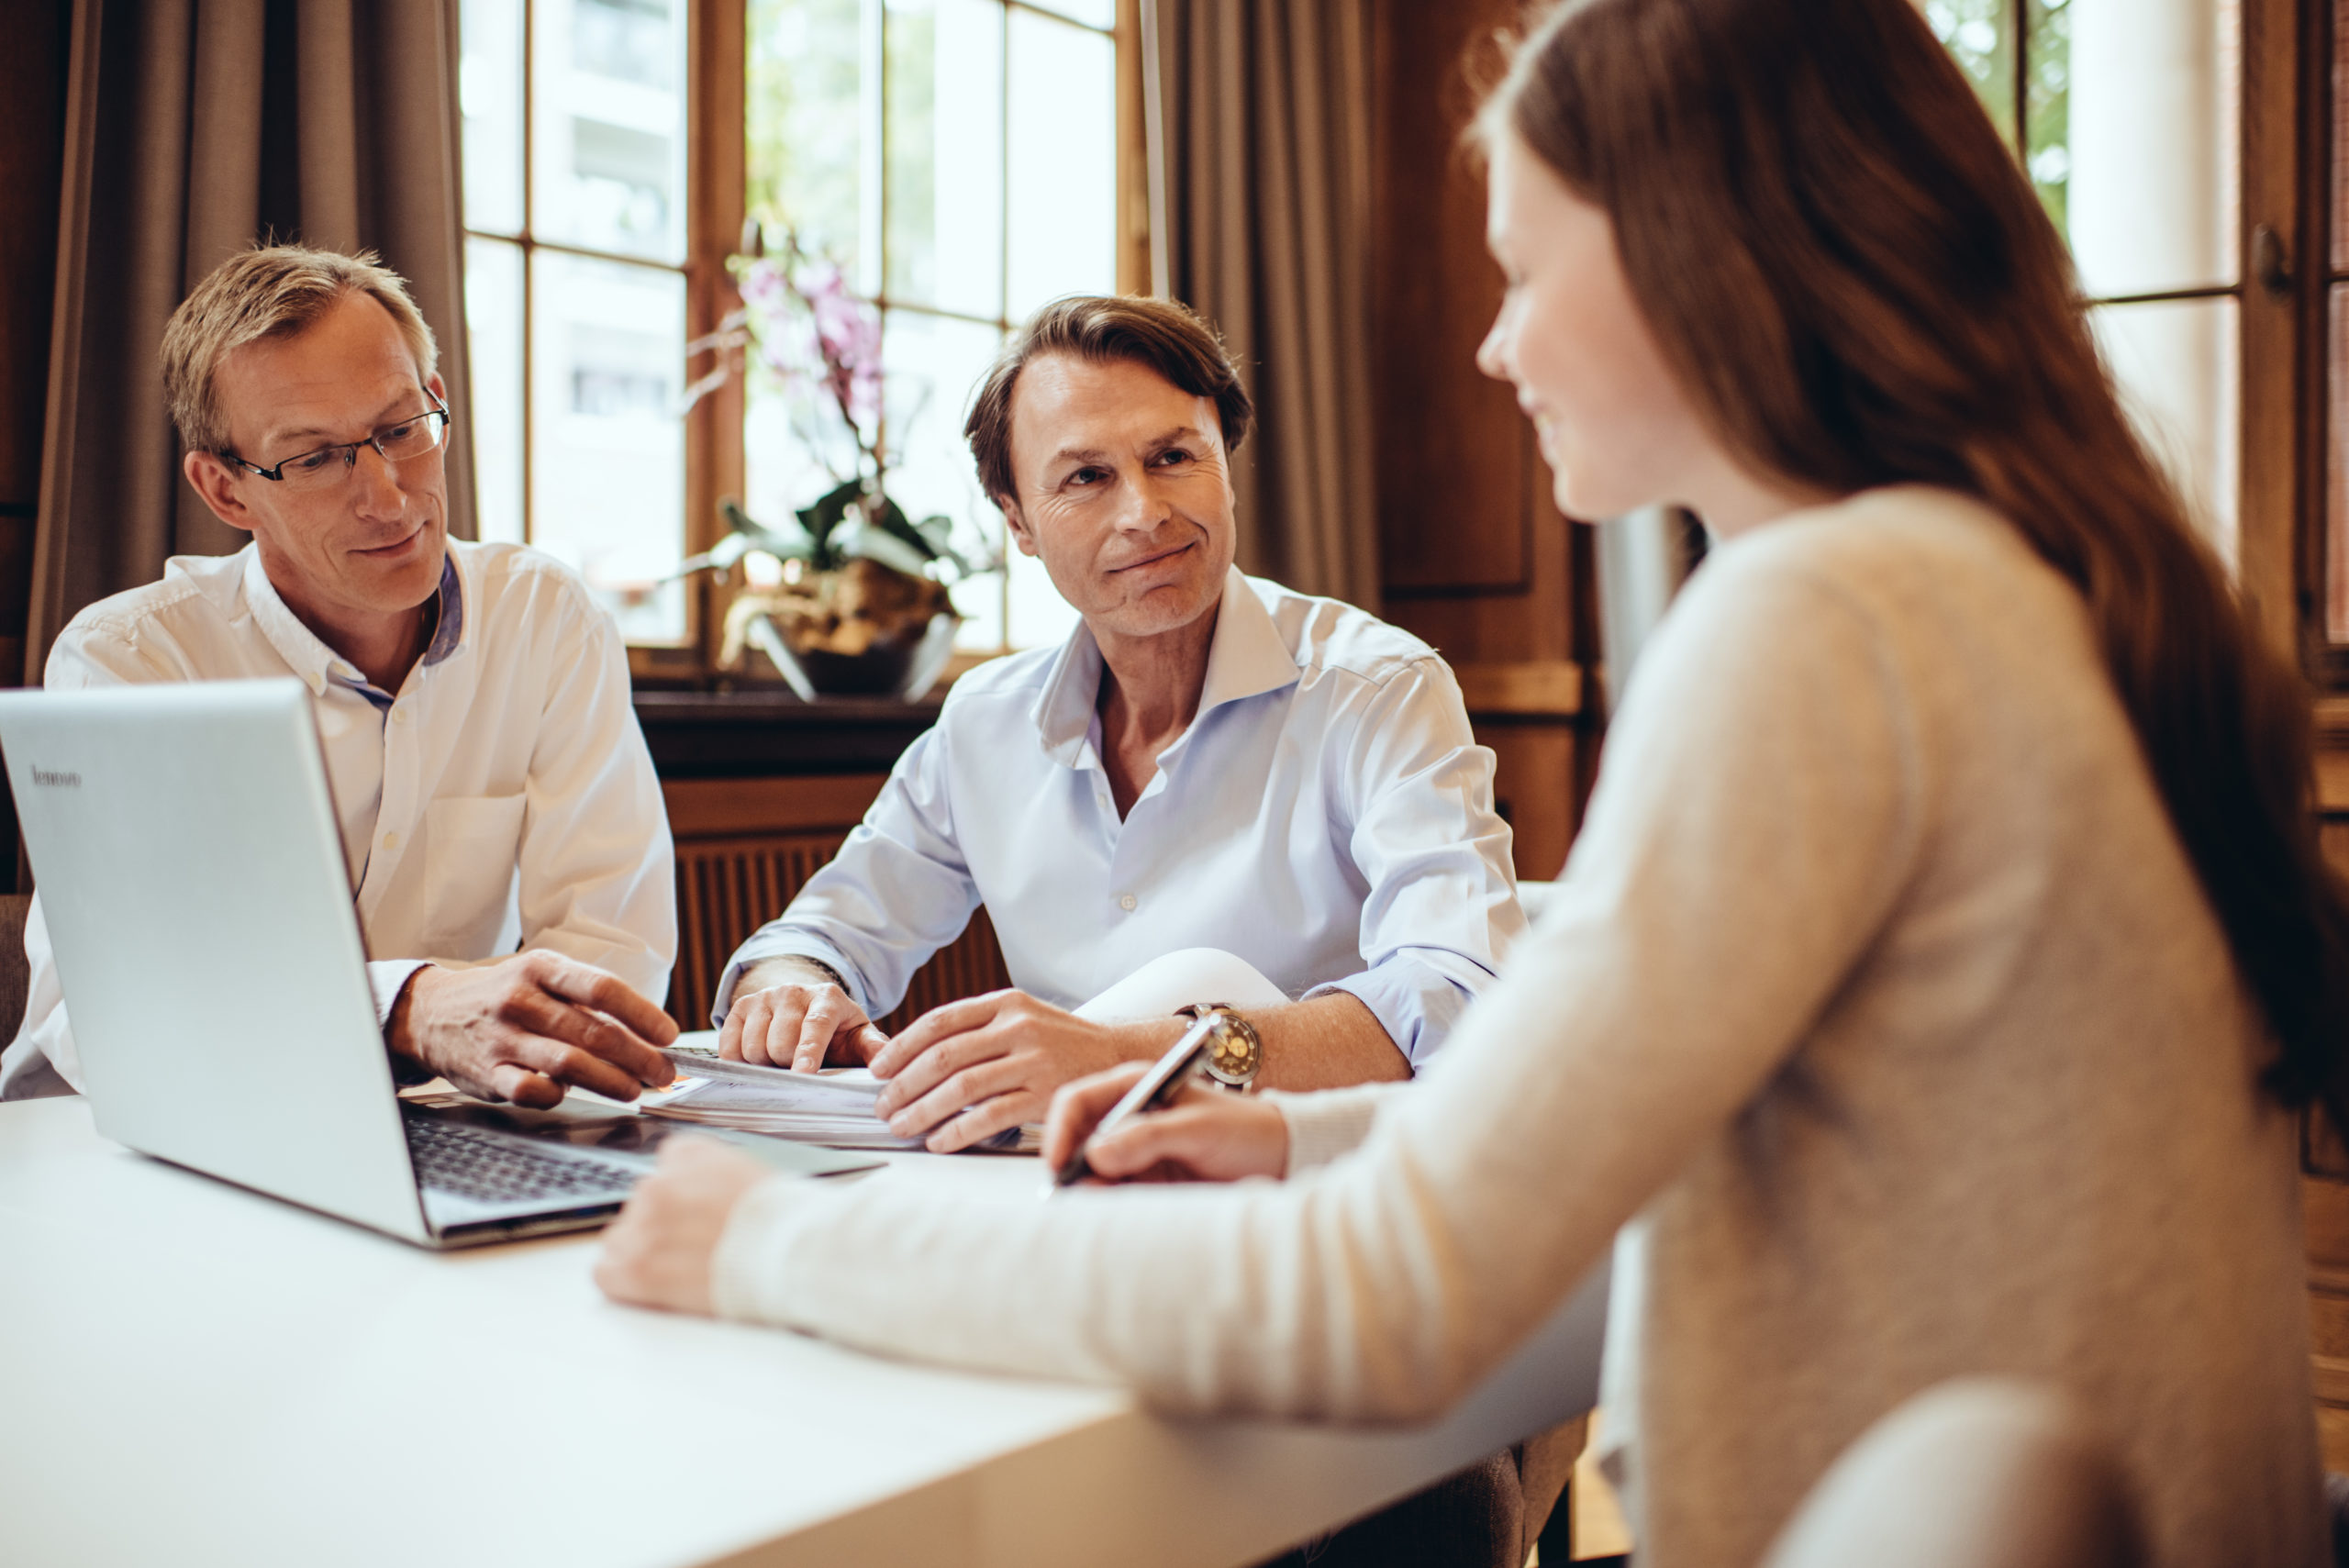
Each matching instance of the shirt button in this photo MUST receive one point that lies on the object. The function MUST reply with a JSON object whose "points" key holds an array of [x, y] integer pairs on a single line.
{"points": [[399, 716], [1126, 902], [391, 841]]}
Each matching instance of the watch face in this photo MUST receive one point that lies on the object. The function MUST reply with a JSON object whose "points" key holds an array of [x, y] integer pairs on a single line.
{"points": [[1233, 1057]]}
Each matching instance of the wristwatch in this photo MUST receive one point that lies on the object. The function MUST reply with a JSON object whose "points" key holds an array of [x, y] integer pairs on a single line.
{"points": [[1237, 1053]]}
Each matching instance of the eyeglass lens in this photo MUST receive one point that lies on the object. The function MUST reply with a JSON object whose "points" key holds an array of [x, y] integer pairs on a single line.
{"points": [[410, 439]]}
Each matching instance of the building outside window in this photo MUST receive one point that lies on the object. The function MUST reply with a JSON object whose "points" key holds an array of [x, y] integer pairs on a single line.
{"points": [[957, 157], [575, 130], [2126, 114]]}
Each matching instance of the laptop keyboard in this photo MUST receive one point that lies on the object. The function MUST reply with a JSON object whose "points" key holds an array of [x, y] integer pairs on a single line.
{"points": [[478, 1165]]}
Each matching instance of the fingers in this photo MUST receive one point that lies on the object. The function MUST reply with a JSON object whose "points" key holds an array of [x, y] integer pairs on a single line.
{"points": [[948, 1056], [748, 1005], [508, 1081], [866, 1042], [1186, 1136], [596, 1036], [827, 1015], [982, 1121], [608, 993], [998, 1075], [937, 1023], [1079, 1106], [568, 1063], [769, 1031]]}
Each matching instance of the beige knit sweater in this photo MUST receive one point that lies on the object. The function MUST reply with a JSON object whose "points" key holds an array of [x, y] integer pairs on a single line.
{"points": [[1878, 989]]}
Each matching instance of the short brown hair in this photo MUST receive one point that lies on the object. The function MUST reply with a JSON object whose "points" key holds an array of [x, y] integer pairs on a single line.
{"points": [[1163, 334], [271, 291]]}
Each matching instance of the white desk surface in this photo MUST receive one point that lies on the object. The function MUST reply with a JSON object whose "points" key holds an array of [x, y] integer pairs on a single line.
{"points": [[194, 1374]]}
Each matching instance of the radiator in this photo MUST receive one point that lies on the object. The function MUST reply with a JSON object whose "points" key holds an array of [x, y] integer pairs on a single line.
{"points": [[727, 887]]}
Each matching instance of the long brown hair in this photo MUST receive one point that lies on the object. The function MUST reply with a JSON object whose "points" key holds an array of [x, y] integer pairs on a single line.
{"points": [[1848, 274]]}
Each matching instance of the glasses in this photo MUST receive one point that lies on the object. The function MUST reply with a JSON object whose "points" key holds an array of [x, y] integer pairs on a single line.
{"points": [[329, 466]]}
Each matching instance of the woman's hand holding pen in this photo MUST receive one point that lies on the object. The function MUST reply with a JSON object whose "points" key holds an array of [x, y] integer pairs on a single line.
{"points": [[1207, 1135]]}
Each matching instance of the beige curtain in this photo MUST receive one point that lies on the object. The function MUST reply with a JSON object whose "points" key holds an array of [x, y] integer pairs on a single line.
{"points": [[1263, 177], [194, 128]]}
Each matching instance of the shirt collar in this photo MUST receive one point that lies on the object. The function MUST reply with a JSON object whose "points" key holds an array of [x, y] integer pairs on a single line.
{"points": [[312, 660], [1247, 657]]}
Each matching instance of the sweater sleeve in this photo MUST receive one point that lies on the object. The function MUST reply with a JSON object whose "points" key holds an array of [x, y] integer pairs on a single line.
{"points": [[1768, 746], [1330, 1123]]}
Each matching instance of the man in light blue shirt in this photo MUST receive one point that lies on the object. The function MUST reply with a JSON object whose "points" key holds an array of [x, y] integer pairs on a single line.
{"points": [[1210, 761]]}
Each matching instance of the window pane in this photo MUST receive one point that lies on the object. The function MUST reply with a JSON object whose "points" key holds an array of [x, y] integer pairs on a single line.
{"points": [[1093, 13], [607, 464], [1978, 37], [805, 124], [1062, 217], [934, 366], [945, 166], [489, 90], [608, 141], [2151, 143], [2176, 362], [494, 336], [2048, 103], [1037, 612]]}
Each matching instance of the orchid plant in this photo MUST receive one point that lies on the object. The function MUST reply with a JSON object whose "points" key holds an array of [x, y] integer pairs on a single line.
{"points": [[813, 339]]}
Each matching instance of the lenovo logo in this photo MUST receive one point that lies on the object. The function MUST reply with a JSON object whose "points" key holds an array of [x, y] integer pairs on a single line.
{"points": [[58, 781]]}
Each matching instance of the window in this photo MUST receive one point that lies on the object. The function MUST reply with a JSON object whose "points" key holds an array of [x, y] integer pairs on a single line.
{"points": [[575, 134], [959, 159], [2126, 115]]}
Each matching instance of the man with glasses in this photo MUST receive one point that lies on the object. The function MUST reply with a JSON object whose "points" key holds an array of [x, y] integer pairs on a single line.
{"points": [[471, 700]]}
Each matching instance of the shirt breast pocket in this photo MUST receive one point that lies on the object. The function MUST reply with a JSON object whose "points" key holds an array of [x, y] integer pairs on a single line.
{"points": [[470, 843]]}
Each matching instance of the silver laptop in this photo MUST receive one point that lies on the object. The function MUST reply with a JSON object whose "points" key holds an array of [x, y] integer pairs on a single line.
{"points": [[191, 873]]}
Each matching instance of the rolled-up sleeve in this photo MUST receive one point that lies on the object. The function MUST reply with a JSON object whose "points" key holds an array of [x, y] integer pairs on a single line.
{"points": [[1441, 909], [897, 892]]}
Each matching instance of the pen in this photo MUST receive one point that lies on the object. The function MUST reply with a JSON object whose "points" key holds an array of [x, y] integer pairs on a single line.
{"points": [[1156, 1089]]}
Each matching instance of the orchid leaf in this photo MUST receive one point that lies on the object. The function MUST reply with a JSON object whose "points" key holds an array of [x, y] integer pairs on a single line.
{"points": [[864, 540]]}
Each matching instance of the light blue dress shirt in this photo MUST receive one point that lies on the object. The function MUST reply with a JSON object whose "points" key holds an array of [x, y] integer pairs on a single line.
{"points": [[1328, 817]]}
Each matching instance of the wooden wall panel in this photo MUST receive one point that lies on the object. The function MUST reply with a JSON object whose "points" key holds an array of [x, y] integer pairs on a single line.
{"points": [[2324, 1181], [1453, 502], [1535, 791], [1474, 557]]}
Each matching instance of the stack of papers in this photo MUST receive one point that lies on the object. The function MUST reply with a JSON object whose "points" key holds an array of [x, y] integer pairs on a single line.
{"points": [[833, 1106]]}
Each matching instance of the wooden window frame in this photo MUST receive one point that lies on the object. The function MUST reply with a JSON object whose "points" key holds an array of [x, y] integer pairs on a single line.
{"points": [[716, 52]]}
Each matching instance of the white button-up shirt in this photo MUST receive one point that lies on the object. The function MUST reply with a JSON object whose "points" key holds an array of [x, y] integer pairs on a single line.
{"points": [[1327, 816], [502, 798]]}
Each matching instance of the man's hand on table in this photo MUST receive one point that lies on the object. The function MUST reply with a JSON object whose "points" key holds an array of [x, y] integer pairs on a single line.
{"points": [[1207, 1135], [790, 1012], [966, 1071], [525, 1027], [658, 1252]]}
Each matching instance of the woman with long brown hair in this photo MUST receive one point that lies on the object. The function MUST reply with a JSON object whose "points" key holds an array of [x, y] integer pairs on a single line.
{"points": [[1946, 949]]}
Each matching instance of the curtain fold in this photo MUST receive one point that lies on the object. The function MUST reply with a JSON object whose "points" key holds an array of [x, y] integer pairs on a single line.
{"points": [[1264, 164], [194, 128]]}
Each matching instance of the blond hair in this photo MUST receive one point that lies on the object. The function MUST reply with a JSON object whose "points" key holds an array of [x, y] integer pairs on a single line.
{"points": [[270, 291]]}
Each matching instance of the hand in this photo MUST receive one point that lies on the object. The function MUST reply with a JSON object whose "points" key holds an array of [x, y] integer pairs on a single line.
{"points": [[799, 1023], [658, 1252], [522, 1027], [966, 1071], [1207, 1135]]}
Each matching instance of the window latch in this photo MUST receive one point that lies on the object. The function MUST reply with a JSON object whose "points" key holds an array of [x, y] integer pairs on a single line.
{"points": [[2271, 262]]}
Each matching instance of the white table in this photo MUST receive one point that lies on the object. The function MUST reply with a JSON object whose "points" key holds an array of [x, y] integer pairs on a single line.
{"points": [[197, 1374]]}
